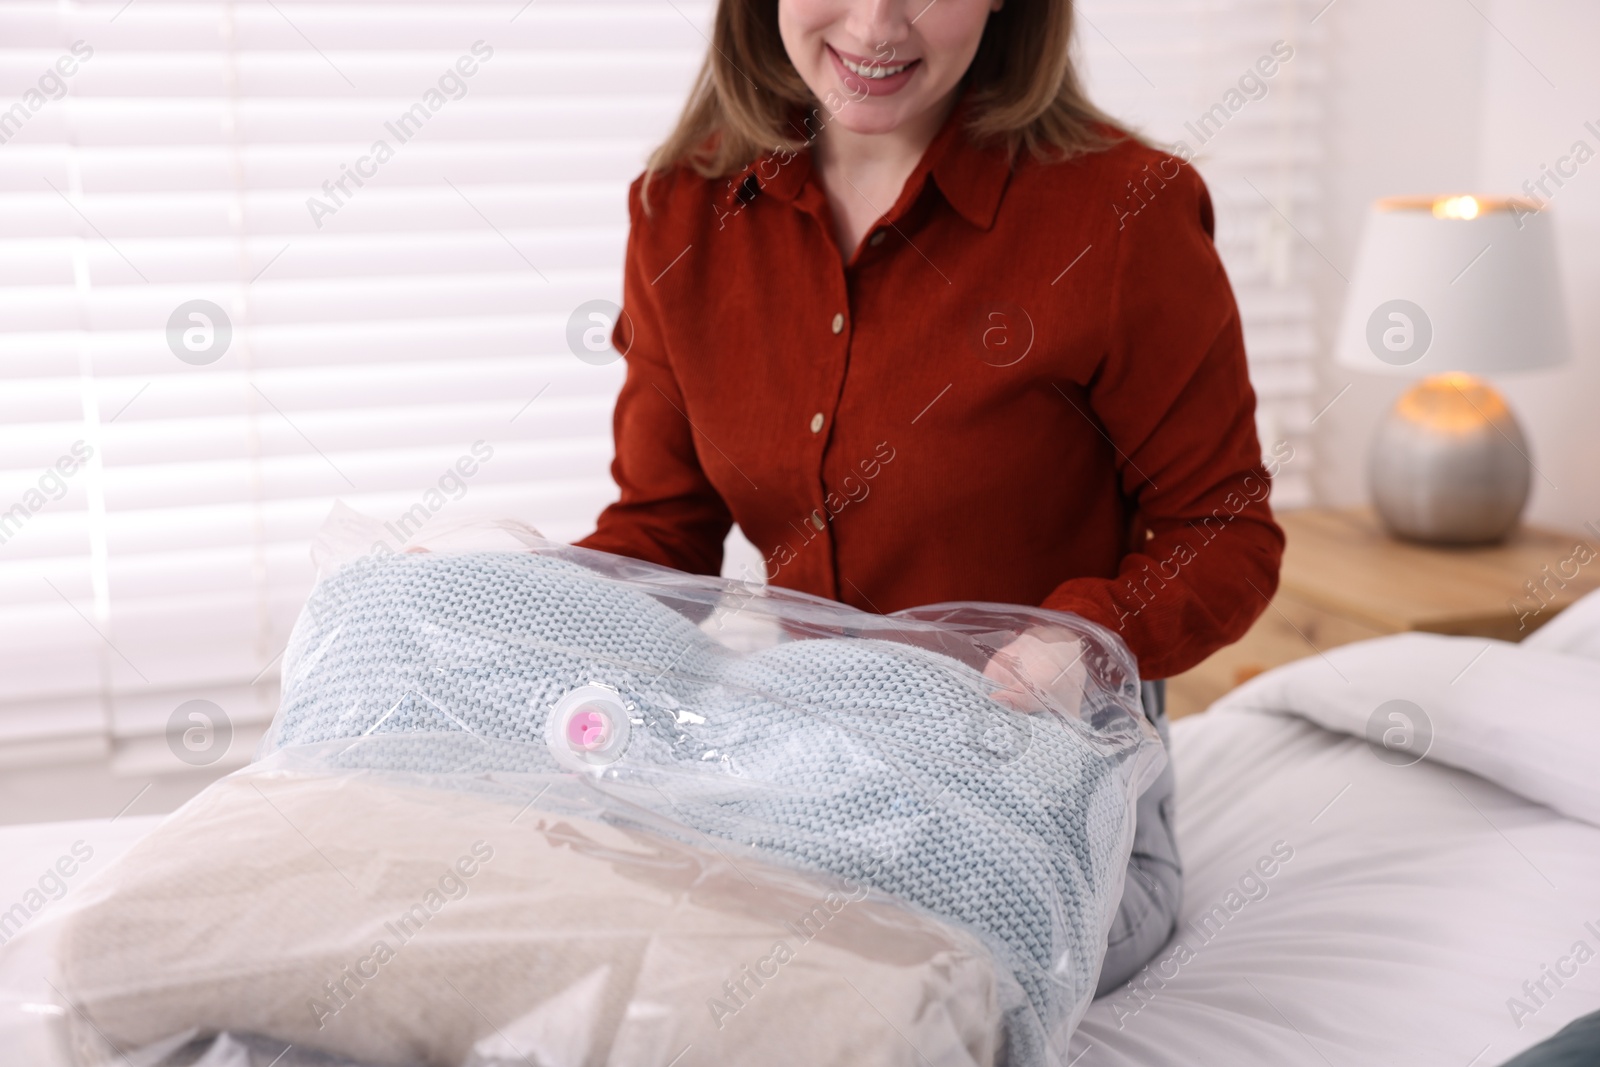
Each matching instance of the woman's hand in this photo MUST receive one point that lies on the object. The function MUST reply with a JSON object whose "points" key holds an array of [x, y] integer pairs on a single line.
{"points": [[1048, 657]]}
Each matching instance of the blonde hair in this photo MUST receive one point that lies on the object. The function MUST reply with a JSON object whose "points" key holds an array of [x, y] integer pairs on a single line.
{"points": [[1022, 86]]}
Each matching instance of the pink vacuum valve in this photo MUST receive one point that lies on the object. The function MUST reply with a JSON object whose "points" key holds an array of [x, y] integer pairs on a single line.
{"points": [[589, 729]]}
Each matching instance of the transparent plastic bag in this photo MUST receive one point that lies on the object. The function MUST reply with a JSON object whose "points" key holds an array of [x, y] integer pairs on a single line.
{"points": [[712, 770]]}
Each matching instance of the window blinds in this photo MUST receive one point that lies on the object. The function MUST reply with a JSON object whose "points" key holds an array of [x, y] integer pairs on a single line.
{"points": [[385, 337], [257, 256]]}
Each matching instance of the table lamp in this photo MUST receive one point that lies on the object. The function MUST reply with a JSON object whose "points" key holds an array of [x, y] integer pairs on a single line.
{"points": [[1446, 289]]}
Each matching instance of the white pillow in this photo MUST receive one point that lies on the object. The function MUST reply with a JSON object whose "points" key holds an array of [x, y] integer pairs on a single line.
{"points": [[1574, 632], [1525, 718]]}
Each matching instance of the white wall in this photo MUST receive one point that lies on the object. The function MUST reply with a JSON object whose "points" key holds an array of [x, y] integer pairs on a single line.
{"points": [[1529, 123], [1429, 97]]}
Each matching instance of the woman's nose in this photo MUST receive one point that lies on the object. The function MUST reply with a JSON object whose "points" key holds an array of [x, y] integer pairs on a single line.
{"points": [[883, 24]]}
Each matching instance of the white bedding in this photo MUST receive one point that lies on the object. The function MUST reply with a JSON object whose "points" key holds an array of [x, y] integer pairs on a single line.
{"points": [[1419, 898], [1405, 908], [1416, 903]]}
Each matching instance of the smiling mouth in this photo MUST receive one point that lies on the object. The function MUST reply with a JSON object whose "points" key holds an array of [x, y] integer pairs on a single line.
{"points": [[872, 69]]}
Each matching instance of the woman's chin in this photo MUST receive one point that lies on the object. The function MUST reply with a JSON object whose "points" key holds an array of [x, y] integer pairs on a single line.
{"points": [[866, 117]]}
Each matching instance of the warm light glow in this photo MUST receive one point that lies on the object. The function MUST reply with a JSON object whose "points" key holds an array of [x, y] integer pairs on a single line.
{"points": [[1452, 403], [1456, 207]]}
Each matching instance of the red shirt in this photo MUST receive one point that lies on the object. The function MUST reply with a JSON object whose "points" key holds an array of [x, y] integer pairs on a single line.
{"points": [[1027, 385]]}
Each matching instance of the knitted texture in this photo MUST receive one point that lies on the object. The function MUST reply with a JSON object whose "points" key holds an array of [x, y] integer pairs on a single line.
{"points": [[879, 762]]}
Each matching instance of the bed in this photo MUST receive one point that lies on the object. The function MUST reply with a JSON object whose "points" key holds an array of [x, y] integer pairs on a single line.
{"points": [[1347, 902]]}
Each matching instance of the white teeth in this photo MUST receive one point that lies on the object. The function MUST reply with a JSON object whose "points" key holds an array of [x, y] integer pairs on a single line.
{"points": [[868, 70]]}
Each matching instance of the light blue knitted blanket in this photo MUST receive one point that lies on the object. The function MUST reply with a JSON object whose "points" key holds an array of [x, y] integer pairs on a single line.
{"points": [[877, 761]]}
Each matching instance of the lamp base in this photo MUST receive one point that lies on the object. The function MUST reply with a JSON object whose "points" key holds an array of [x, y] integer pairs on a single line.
{"points": [[1449, 464]]}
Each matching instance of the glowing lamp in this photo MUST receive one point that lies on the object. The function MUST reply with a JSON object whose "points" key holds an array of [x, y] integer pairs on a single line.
{"points": [[1446, 289]]}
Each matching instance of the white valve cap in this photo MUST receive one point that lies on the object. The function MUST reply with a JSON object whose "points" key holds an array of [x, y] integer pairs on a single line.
{"points": [[588, 728]]}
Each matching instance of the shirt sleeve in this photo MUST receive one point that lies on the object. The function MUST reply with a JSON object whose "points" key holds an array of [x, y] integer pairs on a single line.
{"points": [[1173, 398], [667, 510]]}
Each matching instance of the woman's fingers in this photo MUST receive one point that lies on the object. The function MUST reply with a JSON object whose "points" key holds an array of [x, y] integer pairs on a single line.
{"points": [[1049, 660]]}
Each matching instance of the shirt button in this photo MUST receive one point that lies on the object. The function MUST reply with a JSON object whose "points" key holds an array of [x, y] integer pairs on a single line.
{"points": [[876, 239], [816, 423], [838, 322], [816, 519]]}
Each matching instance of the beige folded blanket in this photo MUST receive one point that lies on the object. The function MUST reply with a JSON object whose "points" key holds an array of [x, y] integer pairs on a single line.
{"points": [[403, 925]]}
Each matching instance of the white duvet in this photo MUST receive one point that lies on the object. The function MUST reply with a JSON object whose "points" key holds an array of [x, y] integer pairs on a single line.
{"points": [[1445, 912]]}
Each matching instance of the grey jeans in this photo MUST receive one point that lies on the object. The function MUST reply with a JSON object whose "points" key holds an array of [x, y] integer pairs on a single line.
{"points": [[1153, 892]]}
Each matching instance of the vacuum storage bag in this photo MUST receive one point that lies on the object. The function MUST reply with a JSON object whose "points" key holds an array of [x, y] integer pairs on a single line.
{"points": [[525, 803]]}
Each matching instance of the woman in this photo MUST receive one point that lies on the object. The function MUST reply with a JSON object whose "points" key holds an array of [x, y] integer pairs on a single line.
{"points": [[930, 327]]}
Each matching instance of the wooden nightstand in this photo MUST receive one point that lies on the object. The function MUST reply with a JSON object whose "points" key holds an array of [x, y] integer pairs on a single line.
{"points": [[1344, 579]]}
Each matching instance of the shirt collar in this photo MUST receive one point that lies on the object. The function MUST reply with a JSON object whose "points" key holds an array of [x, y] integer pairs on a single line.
{"points": [[780, 174], [971, 176]]}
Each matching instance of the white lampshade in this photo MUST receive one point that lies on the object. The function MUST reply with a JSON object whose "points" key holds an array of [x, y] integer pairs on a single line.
{"points": [[1454, 284]]}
